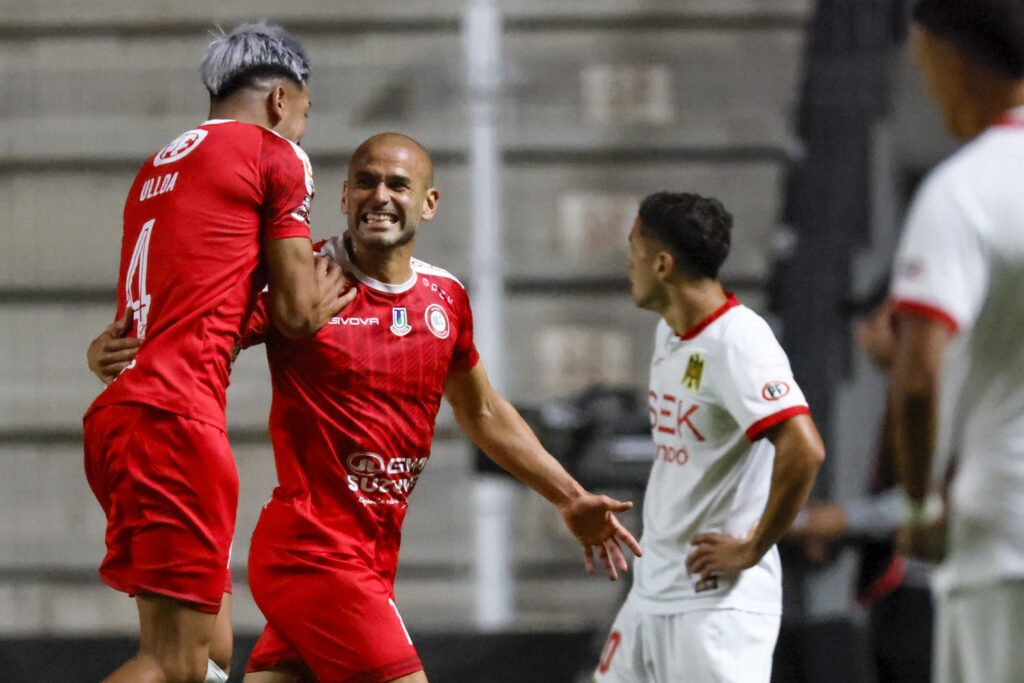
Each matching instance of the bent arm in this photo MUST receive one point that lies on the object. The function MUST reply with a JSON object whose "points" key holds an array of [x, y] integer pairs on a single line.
{"points": [[921, 343], [799, 453], [296, 293]]}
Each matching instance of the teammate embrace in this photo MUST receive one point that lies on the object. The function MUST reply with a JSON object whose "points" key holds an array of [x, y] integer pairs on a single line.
{"points": [[353, 405]]}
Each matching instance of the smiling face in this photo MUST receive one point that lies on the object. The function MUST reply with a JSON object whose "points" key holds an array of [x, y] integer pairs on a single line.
{"points": [[388, 192]]}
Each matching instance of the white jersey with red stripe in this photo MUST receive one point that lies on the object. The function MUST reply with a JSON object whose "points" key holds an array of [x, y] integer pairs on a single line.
{"points": [[961, 262], [714, 392]]}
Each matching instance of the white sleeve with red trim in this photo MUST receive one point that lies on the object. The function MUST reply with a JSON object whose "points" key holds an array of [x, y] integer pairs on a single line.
{"points": [[942, 265], [757, 385]]}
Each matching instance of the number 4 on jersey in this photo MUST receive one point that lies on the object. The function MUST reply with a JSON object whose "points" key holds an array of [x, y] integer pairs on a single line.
{"points": [[139, 300]]}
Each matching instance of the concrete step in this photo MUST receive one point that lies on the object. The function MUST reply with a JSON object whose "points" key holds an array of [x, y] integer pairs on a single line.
{"points": [[562, 219]]}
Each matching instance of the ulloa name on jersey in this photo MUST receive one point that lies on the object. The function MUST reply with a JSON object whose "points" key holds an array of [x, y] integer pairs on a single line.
{"points": [[158, 185]]}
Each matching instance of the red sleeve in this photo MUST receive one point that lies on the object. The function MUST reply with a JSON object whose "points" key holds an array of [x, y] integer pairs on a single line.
{"points": [[256, 328], [288, 189], [465, 356]]}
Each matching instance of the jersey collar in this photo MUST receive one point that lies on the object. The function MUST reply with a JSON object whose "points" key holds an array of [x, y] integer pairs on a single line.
{"points": [[730, 302], [335, 248]]}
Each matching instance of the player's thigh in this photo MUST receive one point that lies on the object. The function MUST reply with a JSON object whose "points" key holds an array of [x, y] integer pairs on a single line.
{"points": [[723, 646], [622, 659], [338, 616]]}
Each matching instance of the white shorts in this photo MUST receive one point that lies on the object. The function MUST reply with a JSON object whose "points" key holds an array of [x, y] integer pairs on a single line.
{"points": [[978, 634], [704, 646]]}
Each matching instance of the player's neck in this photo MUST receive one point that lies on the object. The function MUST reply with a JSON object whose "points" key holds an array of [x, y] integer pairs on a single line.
{"points": [[240, 110], [390, 266], [691, 303], [990, 104]]}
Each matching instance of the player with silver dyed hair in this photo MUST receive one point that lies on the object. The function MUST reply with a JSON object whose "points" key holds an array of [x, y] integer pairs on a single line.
{"points": [[216, 214], [250, 54]]}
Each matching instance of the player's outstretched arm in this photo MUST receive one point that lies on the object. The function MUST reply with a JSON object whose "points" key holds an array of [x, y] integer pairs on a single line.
{"points": [[799, 453], [500, 431], [303, 299], [111, 352]]}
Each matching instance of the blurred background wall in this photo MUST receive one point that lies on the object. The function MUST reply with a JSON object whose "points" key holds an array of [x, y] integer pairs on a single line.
{"points": [[803, 117]]}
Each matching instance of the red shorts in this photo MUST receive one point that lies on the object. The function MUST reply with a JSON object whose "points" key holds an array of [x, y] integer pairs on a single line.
{"points": [[329, 619], [169, 488]]}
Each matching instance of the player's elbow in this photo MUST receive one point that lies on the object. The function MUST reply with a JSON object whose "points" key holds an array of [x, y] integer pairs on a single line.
{"points": [[294, 320], [815, 455], [295, 326]]}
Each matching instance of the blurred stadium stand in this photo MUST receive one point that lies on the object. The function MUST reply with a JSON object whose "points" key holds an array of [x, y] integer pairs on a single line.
{"points": [[605, 101]]}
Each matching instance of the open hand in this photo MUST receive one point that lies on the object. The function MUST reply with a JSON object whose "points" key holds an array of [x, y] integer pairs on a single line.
{"points": [[591, 519], [335, 289], [110, 352]]}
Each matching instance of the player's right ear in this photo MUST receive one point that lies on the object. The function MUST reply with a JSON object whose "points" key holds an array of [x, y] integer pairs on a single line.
{"points": [[344, 197]]}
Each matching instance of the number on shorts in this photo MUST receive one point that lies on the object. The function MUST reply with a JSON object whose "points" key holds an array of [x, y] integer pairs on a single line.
{"points": [[136, 279], [608, 652]]}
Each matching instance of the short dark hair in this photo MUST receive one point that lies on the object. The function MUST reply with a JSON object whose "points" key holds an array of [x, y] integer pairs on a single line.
{"points": [[697, 230], [991, 32], [250, 54]]}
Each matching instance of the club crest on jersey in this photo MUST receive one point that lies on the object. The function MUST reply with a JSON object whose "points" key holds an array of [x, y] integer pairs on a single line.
{"points": [[400, 322], [773, 391], [694, 371], [179, 147], [437, 321]]}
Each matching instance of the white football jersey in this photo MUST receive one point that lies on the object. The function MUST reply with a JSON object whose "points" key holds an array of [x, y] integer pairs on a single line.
{"points": [[714, 391], [961, 261]]}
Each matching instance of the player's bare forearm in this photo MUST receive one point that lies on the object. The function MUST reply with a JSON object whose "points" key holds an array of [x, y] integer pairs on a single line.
{"points": [[500, 431], [916, 438], [304, 291], [493, 424], [799, 453], [920, 345]]}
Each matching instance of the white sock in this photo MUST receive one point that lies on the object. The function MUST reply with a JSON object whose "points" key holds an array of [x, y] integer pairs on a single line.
{"points": [[214, 674]]}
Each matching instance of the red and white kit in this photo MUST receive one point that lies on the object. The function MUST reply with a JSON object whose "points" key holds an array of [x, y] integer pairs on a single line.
{"points": [[961, 262], [713, 393], [352, 421], [195, 222]]}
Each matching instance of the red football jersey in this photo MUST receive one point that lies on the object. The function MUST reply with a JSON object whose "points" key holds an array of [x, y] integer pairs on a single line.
{"points": [[195, 221], [353, 411]]}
